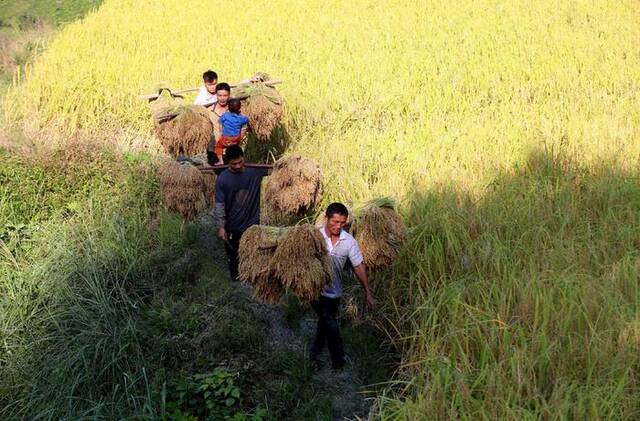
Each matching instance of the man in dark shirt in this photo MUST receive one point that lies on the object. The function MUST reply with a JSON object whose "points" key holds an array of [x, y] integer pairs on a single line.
{"points": [[237, 203]]}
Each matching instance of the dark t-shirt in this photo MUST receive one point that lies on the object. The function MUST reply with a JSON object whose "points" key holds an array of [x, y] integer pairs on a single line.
{"points": [[240, 193]]}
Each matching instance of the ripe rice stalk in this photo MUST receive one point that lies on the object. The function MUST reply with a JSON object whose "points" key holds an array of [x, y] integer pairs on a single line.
{"points": [[165, 107], [262, 76], [380, 233], [248, 90], [264, 115], [182, 129], [209, 186], [257, 247], [301, 262], [181, 188], [294, 187], [268, 290], [262, 104]]}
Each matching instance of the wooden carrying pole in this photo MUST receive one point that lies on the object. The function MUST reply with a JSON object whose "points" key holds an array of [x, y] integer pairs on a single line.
{"points": [[213, 168], [150, 97]]}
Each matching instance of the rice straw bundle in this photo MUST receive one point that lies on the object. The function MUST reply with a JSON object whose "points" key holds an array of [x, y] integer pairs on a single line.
{"points": [[248, 90], [264, 115], [181, 188], [209, 185], [301, 262], [262, 104], [165, 107], [257, 247], [294, 187], [380, 233], [182, 129]]}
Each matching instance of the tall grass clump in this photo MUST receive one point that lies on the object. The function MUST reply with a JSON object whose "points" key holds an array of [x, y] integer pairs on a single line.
{"points": [[522, 304], [70, 298]]}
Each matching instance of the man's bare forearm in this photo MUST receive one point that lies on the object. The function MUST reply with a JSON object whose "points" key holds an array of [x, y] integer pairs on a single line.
{"points": [[361, 274]]}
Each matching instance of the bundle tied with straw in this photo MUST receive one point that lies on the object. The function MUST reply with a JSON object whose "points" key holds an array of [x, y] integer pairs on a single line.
{"points": [[257, 247], [301, 262], [380, 232], [182, 129], [262, 104], [209, 184], [294, 187], [181, 188]]}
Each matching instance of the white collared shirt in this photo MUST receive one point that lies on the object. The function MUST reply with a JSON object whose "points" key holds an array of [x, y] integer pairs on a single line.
{"points": [[345, 248], [205, 97]]}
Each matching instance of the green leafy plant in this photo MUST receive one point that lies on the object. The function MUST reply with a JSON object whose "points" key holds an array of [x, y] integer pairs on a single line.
{"points": [[212, 395]]}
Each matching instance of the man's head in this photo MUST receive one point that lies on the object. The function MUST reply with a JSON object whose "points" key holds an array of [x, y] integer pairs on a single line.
{"points": [[223, 90], [337, 215], [235, 105], [210, 79], [234, 156]]}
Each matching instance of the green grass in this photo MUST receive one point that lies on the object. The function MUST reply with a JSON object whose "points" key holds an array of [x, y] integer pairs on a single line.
{"points": [[26, 27], [520, 301], [23, 14], [30, 194]]}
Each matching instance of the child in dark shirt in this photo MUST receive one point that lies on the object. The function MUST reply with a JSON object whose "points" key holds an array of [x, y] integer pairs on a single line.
{"points": [[231, 124]]}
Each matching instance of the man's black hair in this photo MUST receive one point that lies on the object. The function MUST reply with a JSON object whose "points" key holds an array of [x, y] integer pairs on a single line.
{"points": [[223, 86], [234, 105], [233, 152], [336, 208], [209, 76]]}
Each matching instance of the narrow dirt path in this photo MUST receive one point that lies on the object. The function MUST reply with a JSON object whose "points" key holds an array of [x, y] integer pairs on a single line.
{"points": [[345, 387]]}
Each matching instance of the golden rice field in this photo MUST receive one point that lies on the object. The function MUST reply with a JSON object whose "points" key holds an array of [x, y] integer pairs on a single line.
{"points": [[508, 130], [389, 93]]}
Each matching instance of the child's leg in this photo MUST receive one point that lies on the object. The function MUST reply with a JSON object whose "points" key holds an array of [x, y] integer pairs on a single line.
{"points": [[219, 149], [224, 142]]}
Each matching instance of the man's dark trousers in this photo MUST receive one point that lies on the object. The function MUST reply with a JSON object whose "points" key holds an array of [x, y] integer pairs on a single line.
{"points": [[328, 330], [231, 247]]}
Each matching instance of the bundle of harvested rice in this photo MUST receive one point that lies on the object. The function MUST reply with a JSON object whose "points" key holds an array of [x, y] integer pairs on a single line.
{"points": [[181, 188], [262, 104], [209, 184], [380, 232], [294, 187], [248, 90], [165, 108], [301, 262], [262, 76], [182, 129], [257, 247], [264, 116], [268, 290]]}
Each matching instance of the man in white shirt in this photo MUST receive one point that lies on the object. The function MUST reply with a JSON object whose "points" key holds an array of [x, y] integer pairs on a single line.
{"points": [[207, 93], [341, 246]]}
